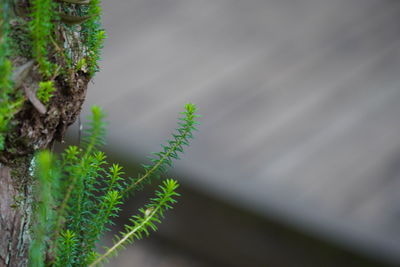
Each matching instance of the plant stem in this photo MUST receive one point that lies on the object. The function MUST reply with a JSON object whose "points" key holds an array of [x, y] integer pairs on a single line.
{"points": [[126, 237]]}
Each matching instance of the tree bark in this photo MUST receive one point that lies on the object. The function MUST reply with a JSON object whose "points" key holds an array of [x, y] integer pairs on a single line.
{"points": [[15, 213], [33, 129]]}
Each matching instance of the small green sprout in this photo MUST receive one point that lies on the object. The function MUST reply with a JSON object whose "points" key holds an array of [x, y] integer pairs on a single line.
{"points": [[45, 91]]}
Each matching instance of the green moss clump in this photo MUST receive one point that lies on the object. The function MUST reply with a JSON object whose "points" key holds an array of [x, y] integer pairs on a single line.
{"points": [[45, 91], [20, 39]]}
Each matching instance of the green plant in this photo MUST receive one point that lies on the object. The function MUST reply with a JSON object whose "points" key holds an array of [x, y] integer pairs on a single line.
{"points": [[141, 224], [47, 184], [40, 37], [78, 195], [94, 35], [9, 104], [41, 27], [55, 46], [42, 33], [45, 91]]}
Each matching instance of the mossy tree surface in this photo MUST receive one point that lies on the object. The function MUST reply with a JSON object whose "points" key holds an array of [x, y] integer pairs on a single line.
{"points": [[48, 54]]}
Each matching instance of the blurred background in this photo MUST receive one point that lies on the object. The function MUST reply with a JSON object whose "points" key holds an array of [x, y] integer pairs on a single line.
{"points": [[297, 161]]}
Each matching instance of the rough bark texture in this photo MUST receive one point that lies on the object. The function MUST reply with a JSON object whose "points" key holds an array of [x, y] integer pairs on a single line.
{"points": [[33, 130], [15, 213]]}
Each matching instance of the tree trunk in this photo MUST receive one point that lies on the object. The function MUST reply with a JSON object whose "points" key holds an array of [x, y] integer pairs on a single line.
{"points": [[15, 213], [32, 128]]}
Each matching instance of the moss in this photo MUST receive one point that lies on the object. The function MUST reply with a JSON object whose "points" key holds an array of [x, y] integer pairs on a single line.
{"points": [[18, 201], [8, 105], [94, 35], [20, 40], [45, 91]]}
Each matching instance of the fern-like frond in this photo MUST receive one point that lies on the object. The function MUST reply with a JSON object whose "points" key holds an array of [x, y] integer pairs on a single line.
{"points": [[81, 200], [67, 249], [41, 27], [94, 35], [95, 134], [115, 180], [164, 159], [146, 221], [109, 209], [85, 193], [69, 161], [83, 169], [77, 210], [44, 215]]}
